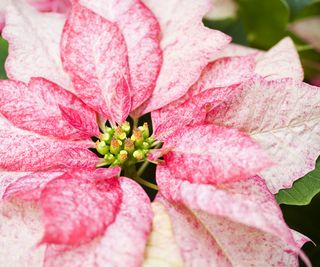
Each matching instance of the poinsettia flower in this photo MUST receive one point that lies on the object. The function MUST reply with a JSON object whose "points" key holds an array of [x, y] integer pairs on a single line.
{"points": [[60, 6], [276, 77], [277, 73], [297, 115], [281, 61], [112, 70], [243, 234]]}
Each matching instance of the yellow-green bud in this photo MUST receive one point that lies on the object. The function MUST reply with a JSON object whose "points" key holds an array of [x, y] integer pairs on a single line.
{"points": [[137, 137], [129, 145], [109, 158], [106, 137], [120, 134], [145, 130], [139, 154], [126, 127], [122, 156], [145, 145], [123, 146], [115, 146], [150, 140], [102, 147], [109, 130]]}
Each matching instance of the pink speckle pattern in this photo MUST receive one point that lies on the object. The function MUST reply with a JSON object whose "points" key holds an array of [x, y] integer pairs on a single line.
{"points": [[77, 209], [36, 107], [141, 32], [36, 152], [122, 244], [187, 48], [59, 6], [281, 61], [29, 186], [197, 246], [213, 154], [283, 117], [7, 178], [248, 246], [80, 157], [249, 196], [216, 82], [191, 112], [32, 45], [94, 53], [224, 72], [259, 239], [91, 217], [20, 230]]}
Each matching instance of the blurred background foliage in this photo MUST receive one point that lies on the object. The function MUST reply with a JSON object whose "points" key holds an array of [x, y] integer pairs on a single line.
{"points": [[261, 24]]}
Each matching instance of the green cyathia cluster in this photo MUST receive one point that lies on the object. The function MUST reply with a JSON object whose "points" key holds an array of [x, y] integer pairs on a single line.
{"points": [[119, 148]]}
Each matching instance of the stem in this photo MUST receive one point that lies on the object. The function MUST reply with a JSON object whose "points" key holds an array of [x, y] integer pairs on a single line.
{"points": [[101, 165], [146, 183], [146, 163], [301, 48], [135, 122], [130, 171], [156, 144], [142, 168]]}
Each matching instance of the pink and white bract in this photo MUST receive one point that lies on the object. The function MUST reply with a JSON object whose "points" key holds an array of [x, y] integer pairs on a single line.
{"points": [[231, 130], [61, 6]]}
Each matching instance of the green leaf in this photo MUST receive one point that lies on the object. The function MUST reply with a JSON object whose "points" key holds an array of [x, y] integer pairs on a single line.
{"points": [[265, 21], [313, 9], [231, 26], [310, 60], [297, 5], [303, 190], [3, 56]]}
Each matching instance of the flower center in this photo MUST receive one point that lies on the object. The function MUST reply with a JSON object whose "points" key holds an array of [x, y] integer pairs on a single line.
{"points": [[128, 146], [124, 146]]}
